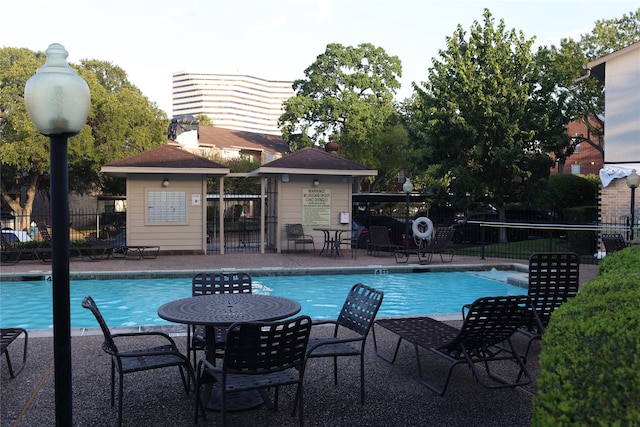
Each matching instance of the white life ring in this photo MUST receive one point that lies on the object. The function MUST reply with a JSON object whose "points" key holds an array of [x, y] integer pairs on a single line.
{"points": [[420, 224]]}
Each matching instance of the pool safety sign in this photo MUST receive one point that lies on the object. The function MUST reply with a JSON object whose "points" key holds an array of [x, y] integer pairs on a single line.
{"points": [[316, 207]]}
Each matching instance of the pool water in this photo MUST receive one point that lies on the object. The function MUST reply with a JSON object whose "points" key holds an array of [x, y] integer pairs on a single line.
{"points": [[134, 302]]}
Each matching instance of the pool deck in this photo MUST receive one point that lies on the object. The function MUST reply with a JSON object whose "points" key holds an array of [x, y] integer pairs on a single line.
{"points": [[394, 396]]}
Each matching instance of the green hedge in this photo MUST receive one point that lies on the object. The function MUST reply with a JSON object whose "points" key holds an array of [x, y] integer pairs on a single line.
{"points": [[590, 359]]}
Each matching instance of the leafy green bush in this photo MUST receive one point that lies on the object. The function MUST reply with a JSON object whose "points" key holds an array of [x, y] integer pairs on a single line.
{"points": [[566, 191], [590, 358]]}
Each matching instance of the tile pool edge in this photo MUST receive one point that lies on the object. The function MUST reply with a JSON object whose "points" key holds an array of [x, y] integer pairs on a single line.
{"points": [[267, 271]]}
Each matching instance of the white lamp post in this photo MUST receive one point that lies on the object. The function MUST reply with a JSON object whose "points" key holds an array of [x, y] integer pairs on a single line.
{"points": [[633, 181], [407, 187], [58, 103]]}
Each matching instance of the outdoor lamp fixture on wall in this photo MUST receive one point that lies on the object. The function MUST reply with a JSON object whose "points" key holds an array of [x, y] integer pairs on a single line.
{"points": [[58, 101], [316, 182], [407, 187], [633, 181], [165, 183]]}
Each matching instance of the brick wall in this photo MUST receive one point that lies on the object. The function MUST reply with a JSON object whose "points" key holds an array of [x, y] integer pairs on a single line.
{"points": [[615, 203]]}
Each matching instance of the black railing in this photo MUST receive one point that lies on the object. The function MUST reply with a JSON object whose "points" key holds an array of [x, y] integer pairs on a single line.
{"points": [[482, 239]]}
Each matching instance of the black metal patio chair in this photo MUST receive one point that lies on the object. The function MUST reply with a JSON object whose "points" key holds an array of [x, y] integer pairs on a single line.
{"points": [[7, 337], [138, 359], [350, 330], [214, 284], [379, 240], [613, 243], [440, 243], [297, 236], [554, 278], [258, 356]]}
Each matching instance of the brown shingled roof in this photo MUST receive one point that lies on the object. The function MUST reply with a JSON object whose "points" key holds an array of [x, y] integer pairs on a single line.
{"points": [[315, 158], [167, 156], [227, 138]]}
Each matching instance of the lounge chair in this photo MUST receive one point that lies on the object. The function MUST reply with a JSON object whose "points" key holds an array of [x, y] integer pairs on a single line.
{"points": [[485, 337], [43, 251], [9, 254], [138, 359], [295, 234], [379, 240], [97, 248], [440, 243], [8, 336], [350, 330], [258, 355], [613, 243], [213, 284], [554, 277]]}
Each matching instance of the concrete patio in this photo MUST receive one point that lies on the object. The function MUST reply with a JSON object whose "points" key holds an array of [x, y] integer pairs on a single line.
{"points": [[394, 395]]}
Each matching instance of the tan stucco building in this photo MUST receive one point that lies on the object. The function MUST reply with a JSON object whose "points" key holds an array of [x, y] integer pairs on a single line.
{"points": [[166, 192], [314, 188]]}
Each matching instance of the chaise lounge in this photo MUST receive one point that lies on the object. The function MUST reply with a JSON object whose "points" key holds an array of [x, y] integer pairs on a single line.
{"points": [[485, 338]]}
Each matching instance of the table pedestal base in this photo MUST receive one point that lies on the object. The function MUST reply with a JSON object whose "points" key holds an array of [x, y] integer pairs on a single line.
{"points": [[239, 401]]}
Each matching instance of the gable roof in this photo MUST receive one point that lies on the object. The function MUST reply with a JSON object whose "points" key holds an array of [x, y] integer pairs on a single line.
{"points": [[165, 159], [241, 140], [597, 67], [313, 160]]}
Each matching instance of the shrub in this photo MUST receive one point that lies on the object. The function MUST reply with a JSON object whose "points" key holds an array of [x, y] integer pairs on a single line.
{"points": [[590, 357]]}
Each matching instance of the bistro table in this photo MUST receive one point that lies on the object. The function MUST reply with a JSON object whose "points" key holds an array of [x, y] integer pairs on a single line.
{"points": [[332, 242], [223, 310]]}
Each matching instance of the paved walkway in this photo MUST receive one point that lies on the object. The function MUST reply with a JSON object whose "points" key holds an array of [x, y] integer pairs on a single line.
{"points": [[394, 397]]}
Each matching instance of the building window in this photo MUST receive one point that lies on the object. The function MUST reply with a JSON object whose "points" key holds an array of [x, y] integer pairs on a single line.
{"points": [[577, 149], [575, 169]]}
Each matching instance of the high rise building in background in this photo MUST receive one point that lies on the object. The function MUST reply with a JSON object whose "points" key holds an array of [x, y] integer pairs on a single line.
{"points": [[232, 101]]}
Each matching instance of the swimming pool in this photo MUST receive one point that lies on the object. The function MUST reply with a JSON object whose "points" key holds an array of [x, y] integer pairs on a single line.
{"points": [[134, 302]]}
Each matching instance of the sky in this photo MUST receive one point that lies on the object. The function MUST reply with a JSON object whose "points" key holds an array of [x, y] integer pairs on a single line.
{"points": [[274, 39]]}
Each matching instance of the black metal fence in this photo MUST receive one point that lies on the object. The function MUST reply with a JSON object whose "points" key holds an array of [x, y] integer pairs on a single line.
{"points": [[480, 238]]}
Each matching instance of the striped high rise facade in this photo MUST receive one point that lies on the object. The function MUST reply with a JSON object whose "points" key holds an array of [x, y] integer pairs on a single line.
{"points": [[231, 101]]}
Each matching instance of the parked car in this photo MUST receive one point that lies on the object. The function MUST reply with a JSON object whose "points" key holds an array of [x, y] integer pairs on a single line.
{"points": [[396, 229], [13, 236]]}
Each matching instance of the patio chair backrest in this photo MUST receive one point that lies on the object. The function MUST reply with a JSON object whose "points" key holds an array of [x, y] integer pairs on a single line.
{"points": [[109, 345], [440, 239], [554, 277], [221, 283], [360, 308], [44, 231], [294, 230], [490, 321], [613, 242], [95, 241], [379, 235], [262, 347]]}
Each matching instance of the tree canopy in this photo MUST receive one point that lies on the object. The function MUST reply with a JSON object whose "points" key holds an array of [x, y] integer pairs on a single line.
{"points": [[347, 97], [482, 116], [121, 122]]}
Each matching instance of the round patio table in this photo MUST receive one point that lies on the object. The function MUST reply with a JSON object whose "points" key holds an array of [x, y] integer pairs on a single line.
{"points": [[224, 310]]}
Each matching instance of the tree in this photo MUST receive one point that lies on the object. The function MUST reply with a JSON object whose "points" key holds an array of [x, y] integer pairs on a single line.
{"points": [[347, 97], [121, 122], [204, 120], [481, 117]]}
